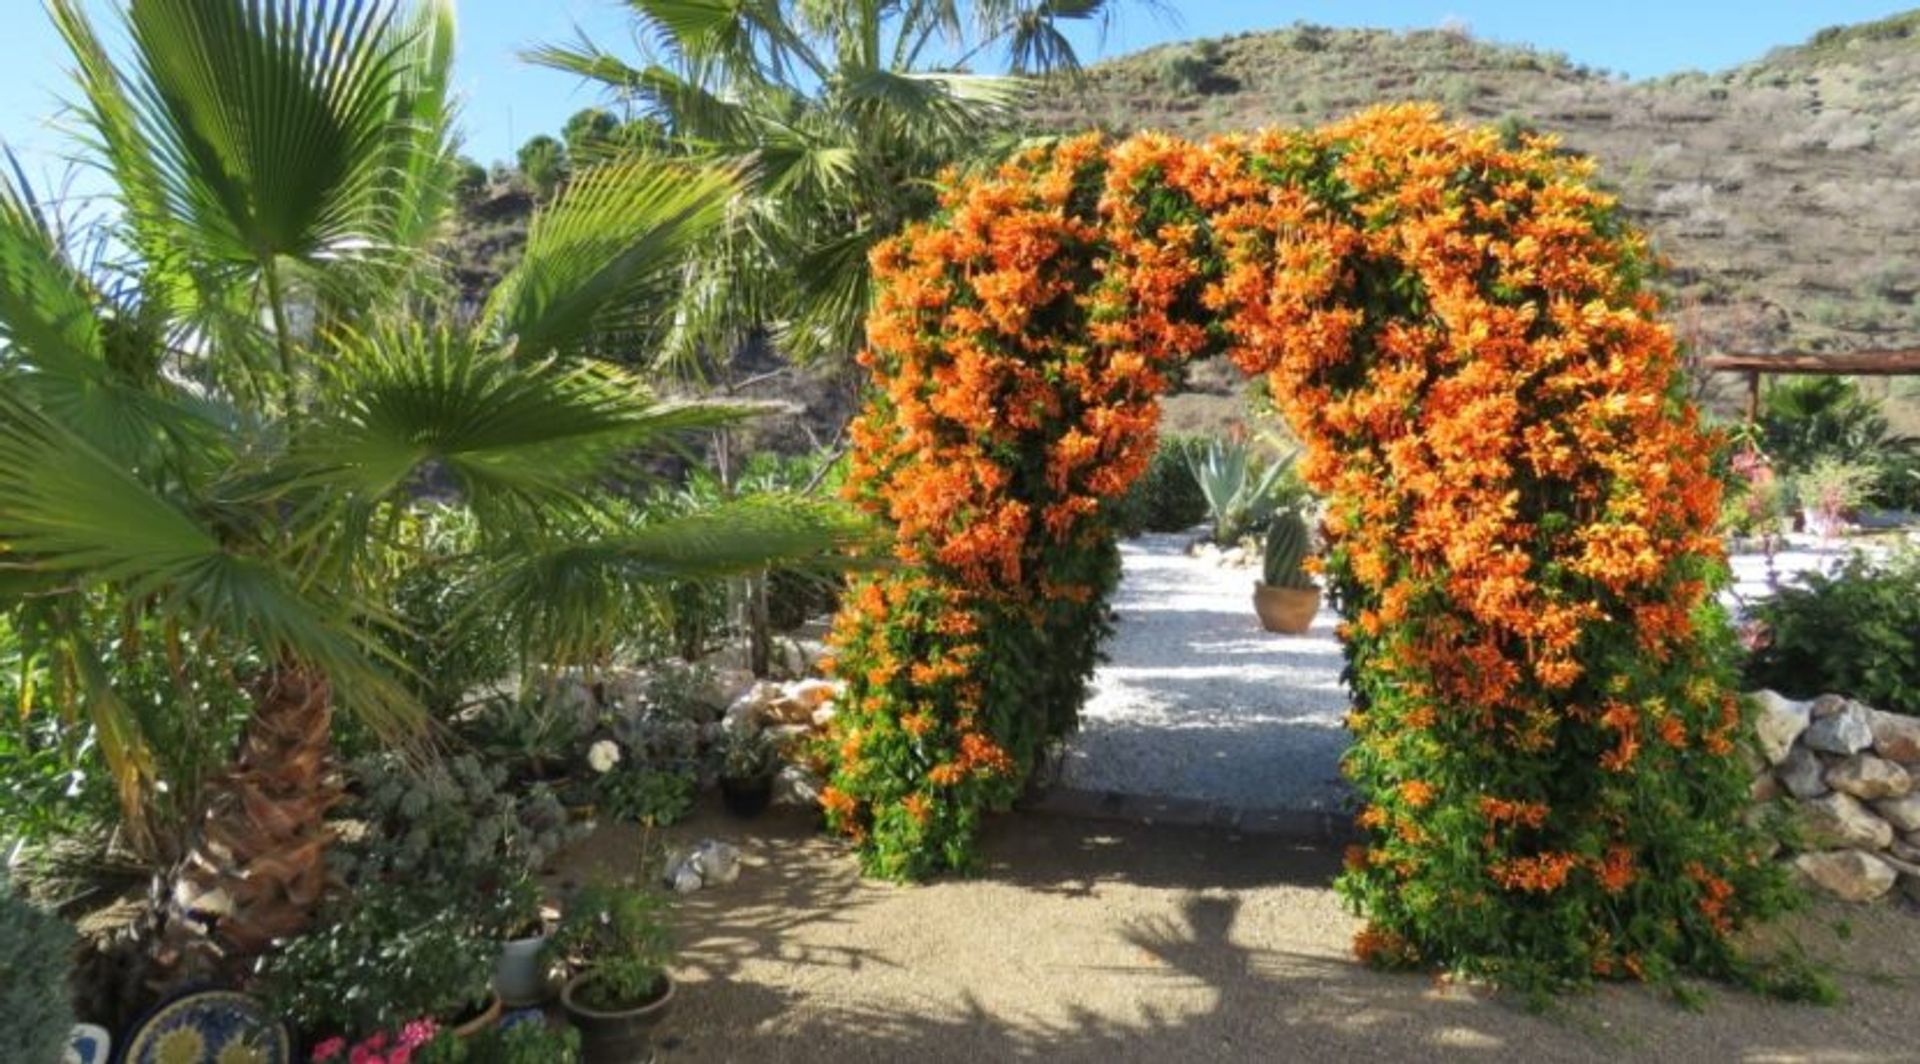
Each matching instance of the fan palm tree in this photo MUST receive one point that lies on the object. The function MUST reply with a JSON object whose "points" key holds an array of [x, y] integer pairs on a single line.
{"points": [[217, 411], [849, 110]]}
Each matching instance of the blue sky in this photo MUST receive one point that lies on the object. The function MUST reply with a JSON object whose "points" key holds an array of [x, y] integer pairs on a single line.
{"points": [[506, 101]]}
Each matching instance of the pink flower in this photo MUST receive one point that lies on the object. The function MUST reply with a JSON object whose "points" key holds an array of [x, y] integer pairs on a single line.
{"points": [[400, 1055], [329, 1049], [418, 1033]]}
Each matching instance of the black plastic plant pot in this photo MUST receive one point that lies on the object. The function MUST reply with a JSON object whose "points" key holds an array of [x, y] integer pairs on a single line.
{"points": [[746, 798], [622, 1036]]}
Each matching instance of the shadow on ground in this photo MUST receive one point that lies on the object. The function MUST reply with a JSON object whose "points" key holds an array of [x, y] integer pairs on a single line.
{"points": [[1091, 941]]}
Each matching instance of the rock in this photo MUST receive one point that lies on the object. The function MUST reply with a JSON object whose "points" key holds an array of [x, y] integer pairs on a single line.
{"points": [[1869, 777], [1906, 849], [1895, 737], [716, 861], [1847, 874], [824, 715], [1234, 557], [784, 735], [1803, 774], [1903, 812], [685, 878], [796, 786], [1840, 820], [1826, 706], [812, 693], [1779, 722], [749, 711], [1910, 886], [1765, 788], [1846, 732]]}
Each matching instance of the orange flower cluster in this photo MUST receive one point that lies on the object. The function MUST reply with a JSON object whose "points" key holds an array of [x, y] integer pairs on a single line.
{"points": [[1520, 508]]}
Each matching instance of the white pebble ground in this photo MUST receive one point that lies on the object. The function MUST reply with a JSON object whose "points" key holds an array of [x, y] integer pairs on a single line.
{"points": [[1196, 702]]}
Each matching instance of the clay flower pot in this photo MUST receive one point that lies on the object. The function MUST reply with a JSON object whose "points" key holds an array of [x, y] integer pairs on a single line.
{"points": [[615, 1037], [1285, 609]]}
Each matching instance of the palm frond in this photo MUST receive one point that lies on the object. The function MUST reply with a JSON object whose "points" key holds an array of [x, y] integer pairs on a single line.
{"points": [[507, 431], [557, 594], [604, 259], [270, 124], [65, 507]]}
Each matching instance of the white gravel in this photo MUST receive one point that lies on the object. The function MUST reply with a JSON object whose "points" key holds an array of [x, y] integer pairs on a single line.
{"points": [[1197, 703]]}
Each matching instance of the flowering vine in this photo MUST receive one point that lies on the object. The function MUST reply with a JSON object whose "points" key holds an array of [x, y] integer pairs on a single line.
{"points": [[1520, 516]]}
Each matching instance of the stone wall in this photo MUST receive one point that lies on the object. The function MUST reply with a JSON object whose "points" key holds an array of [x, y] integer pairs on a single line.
{"points": [[1849, 778]]}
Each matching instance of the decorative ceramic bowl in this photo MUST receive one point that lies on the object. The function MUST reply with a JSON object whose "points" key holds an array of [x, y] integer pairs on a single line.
{"points": [[210, 1027]]}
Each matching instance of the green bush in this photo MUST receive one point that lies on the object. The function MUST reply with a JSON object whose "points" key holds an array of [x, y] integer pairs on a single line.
{"points": [[1165, 498], [1855, 633], [620, 936], [36, 1016], [397, 953]]}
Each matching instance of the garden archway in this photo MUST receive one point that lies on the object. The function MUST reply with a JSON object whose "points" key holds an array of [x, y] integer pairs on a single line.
{"points": [[1520, 519]]}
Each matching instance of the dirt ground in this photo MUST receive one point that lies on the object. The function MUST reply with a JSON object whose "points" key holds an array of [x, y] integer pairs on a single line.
{"points": [[1088, 940]]}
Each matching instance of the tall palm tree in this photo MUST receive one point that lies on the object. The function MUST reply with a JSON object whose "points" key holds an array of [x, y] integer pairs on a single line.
{"points": [[217, 411], [849, 110]]}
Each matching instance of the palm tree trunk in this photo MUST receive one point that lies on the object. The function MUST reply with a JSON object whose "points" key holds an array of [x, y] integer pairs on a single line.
{"points": [[256, 869]]}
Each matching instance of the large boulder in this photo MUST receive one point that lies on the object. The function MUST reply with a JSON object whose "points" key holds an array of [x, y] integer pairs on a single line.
{"points": [[1840, 820], [1778, 723], [1895, 737], [1847, 874], [1846, 731], [1868, 777]]}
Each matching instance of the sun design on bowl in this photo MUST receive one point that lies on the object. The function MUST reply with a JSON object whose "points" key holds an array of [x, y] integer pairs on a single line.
{"points": [[182, 1045], [240, 1051]]}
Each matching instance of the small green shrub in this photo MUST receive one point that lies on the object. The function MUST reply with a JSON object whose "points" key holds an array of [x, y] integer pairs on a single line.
{"points": [[655, 797], [1166, 497], [524, 1042], [397, 953], [36, 1016], [1856, 633], [619, 935]]}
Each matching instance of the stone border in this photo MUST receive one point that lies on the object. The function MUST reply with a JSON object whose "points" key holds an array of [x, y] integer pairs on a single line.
{"points": [[1332, 827]]}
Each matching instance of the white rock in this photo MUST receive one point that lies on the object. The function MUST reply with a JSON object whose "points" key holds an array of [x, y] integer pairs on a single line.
{"points": [[785, 735], [685, 878], [1847, 874], [1903, 812], [796, 786], [1895, 737], [716, 861], [1907, 849], [1779, 722], [812, 693], [1803, 774], [1840, 820], [1846, 732], [824, 715], [749, 711]]}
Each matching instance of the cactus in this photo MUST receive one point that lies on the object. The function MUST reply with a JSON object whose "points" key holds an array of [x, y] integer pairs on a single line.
{"points": [[1287, 543]]}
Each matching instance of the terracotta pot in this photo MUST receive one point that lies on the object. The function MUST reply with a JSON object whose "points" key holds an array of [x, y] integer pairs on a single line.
{"points": [[482, 1022], [622, 1037], [1285, 609], [520, 975]]}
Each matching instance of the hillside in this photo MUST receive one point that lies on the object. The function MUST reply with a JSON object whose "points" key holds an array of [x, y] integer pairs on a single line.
{"points": [[1785, 193]]}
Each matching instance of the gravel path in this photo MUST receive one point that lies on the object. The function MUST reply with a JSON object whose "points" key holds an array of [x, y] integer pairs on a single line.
{"points": [[1197, 702], [1197, 705]]}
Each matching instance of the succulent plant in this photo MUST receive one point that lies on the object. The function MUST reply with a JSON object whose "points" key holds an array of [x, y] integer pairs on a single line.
{"points": [[1287, 547]]}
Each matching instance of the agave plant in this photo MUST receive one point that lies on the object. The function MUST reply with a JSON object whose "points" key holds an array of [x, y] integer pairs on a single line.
{"points": [[217, 409], [1241, 493]]}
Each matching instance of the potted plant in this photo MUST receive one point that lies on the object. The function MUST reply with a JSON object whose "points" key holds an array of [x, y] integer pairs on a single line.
{"points": [[617, 939], [396, 957], [748, 762], [1286, 598], [521, 974]]}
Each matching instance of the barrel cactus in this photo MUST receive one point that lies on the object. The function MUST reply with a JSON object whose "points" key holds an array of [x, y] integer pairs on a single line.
{"points": [[1287, 543]]}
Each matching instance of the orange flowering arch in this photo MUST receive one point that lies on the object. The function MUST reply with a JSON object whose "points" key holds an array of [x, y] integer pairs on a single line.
{"points": [[1520, 519]]}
